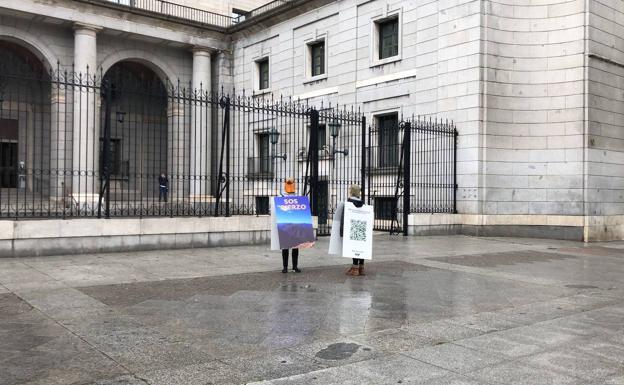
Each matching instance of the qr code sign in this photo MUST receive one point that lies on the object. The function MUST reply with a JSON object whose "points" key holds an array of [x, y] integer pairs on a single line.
{"points": [[358, 230]]}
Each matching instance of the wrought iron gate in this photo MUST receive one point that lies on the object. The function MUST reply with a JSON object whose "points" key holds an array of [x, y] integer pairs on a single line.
{"points": [[411, 168], [263, 142], [75, 145]]}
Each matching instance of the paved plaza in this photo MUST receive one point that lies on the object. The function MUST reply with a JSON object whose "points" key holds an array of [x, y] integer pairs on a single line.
{"points": [[431, 310]]}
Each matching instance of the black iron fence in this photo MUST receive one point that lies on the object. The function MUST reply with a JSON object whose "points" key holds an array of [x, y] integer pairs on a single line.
{"points": [[126, 145], [411, 169], [172, 10], [169, 9]]}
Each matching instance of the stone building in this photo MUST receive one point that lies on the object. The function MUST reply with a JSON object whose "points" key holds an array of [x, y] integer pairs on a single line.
{"points": [[534, 88]]}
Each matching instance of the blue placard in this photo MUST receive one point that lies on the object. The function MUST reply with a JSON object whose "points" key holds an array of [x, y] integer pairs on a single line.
{"points": [[294, 222]]}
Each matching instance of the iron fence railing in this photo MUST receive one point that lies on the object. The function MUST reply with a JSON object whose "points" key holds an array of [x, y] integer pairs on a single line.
{"points": [[411, 169], [102, 146], [268, 7], [169, 9], [124, 144]]}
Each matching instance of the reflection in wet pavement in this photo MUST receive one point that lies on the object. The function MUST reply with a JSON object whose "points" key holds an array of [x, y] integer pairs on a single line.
{"points": [[416, 317]]}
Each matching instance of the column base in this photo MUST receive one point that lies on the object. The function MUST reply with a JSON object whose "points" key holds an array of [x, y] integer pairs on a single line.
{"points": [[201, 198], [86, 201], [202, 201]]}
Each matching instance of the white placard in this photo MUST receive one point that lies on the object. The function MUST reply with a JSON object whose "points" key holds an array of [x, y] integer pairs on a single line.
{"points": [[274, 233], [358, 231], [335, 240]]}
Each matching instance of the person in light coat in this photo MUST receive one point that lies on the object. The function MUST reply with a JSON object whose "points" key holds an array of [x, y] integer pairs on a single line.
{"points": [[355, 197]]}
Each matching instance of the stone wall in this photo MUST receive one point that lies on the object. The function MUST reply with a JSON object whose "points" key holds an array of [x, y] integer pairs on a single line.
{"points": [[533, 108], [534, 86], [81, 236], [605, 113], [437, 74], [606, 108]]}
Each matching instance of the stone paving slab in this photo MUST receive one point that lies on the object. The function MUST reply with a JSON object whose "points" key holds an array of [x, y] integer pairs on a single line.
{"points": [[456, 358], [518, 373], [396, 369], [575, 363], [431, 310]]}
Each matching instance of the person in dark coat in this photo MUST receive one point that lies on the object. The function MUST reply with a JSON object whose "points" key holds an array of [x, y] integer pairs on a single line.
{"points": [[163, 188], [290, 189], [355, 197]]}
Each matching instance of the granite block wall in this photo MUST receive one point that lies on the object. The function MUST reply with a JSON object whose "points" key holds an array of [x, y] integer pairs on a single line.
{"points": [[532, 142]]}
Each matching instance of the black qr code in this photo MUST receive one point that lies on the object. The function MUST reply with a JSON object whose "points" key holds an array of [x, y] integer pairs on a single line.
{"points": [[358, 230]]}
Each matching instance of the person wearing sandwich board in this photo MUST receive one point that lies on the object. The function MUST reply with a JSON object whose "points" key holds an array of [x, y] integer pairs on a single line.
{"points": [[352, 231], [291, 225]]}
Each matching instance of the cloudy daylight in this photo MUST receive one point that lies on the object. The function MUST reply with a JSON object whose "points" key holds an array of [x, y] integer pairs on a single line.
{"points": [[142, 143]]}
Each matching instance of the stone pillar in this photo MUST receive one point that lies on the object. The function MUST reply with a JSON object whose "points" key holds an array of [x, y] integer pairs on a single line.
{"points": [[178, 146], [59, 164], [86, 117], [200, 130]]}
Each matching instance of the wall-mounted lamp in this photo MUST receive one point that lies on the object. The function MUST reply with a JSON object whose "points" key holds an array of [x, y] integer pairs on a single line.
{"points": [[274, 136], [121, 116], [334, 131]]}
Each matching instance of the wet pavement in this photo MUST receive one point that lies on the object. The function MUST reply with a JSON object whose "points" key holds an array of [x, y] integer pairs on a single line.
{"points": [[431, 310]]}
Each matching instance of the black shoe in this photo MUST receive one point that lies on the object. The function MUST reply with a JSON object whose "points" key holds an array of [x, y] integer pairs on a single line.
{"points": [[284, 271], [296, 270]]}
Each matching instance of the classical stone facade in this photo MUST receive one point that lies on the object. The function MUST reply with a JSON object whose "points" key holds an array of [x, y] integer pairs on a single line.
{"points": [[534, 87]]}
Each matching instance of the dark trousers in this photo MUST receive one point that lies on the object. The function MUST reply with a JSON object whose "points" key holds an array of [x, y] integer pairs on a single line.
{"points": [[162, 194], [295, 258], [358, 261]]}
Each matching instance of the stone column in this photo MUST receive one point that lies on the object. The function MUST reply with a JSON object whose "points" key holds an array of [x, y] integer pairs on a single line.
{"points": [[86, 143], [59, 141], [200, 130]]}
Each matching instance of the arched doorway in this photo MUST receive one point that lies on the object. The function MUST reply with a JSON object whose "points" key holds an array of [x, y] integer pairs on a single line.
{"points": [[25, 128], [137, 152]]}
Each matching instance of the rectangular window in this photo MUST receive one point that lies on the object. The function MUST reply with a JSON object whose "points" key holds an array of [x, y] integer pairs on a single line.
{"points": [[263, 74], [115, 148], [264, 154], [262, 206], [317, 58], [385, 208], [8, 129], [115, 152], [8, 164], [322, 136], [389, 148], [388, 38]]}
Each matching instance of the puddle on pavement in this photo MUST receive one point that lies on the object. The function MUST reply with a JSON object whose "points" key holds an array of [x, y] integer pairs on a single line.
{"points": [[339, 351]]}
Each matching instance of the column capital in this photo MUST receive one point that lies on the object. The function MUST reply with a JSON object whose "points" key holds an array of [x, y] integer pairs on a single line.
{"points": [[203, 51], [87, 28]]}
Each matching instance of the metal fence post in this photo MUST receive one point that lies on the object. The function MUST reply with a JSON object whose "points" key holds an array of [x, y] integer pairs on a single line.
{"points": [[314, 159], [106, 171], [407, 149], [455, 135], [363, 168], [223, 181], [227, 157]]}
